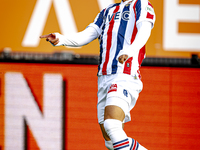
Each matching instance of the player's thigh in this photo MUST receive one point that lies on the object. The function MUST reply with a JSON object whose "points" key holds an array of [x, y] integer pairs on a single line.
{"points": [[114, 112]]}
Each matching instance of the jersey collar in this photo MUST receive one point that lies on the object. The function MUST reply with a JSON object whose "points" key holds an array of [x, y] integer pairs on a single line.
{"points": [[126, 2]]}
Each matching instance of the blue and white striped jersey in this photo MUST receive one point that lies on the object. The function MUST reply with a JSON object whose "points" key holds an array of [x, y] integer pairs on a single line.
{"points": [[117, 29]]}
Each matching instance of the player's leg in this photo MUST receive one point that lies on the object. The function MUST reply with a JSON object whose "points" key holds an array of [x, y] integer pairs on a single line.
{"points": [[113, 118], [108, 142], [105, 136], [115, 111]]}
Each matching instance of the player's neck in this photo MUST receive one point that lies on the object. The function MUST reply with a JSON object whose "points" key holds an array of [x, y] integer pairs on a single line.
{"points": [[124, 0]]}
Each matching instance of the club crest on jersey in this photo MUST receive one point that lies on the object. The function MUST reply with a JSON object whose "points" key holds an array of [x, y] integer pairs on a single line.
{"points": [[113, 88], [128, 65]]}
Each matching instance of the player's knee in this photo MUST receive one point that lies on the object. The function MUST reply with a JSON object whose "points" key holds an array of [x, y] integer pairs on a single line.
{"points": [[109, 145], [112, 125]]}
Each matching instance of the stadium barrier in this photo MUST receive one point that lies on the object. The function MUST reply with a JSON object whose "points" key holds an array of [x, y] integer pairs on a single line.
{"points": [[53, 106]]}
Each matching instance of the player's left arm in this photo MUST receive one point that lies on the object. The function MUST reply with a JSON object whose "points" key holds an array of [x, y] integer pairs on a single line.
{"points": [[144, 32], [144, 26]]}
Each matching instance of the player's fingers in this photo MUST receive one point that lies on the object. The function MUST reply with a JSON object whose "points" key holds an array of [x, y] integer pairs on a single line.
{"points": [[53, 35], [54, 41], [125, 57], [49, 36], [122, 58], [44, 36]]}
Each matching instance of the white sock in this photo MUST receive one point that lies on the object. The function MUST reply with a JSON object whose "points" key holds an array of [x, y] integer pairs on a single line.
{"points": [[134, 145], [116, 133], [109, 145], [141, 147], [119, 139]]}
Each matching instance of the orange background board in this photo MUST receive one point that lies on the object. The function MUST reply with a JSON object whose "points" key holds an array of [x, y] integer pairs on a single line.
{"points": [[15, 18], [166, 115]]}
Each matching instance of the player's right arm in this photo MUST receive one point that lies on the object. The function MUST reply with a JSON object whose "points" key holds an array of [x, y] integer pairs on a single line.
{"points": [[84, 37], [92, 32], [74, 40], [51, 38]]}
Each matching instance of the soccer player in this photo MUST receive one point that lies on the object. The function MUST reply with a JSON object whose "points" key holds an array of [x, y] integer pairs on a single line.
{"points": [[123, 30]]}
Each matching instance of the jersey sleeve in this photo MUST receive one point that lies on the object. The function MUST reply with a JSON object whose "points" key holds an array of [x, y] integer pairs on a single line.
{"points": [[77, 39], [145, 12], [99, 22]]}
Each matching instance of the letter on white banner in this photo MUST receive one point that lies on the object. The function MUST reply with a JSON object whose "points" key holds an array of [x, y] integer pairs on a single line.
{"points": [[173, 14], [20, 106], [40, 15], [64, 15], [104, 3]]}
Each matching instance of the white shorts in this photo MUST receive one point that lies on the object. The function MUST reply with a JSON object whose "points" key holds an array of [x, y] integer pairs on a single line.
{"points": [[121, 90]]}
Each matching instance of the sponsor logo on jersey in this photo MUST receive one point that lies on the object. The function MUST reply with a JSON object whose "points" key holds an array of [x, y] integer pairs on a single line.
{"points": [[116, 16], [125, 15]]}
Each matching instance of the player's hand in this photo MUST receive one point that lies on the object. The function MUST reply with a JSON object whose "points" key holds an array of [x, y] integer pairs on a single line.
{"points": [[51, 38], [122, 58]]}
